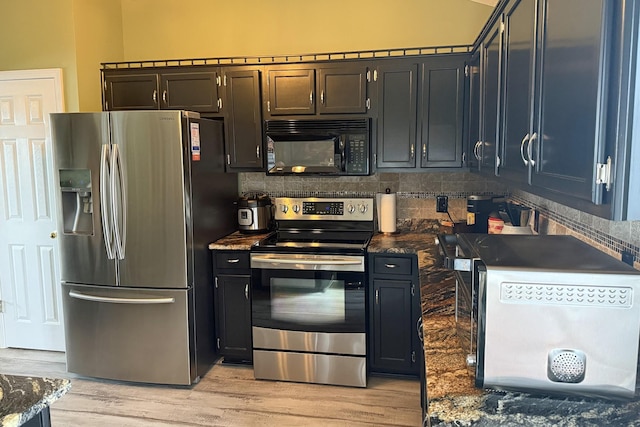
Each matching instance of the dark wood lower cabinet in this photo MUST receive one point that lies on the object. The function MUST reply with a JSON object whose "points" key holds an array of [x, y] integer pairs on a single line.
{"points": [[394, 311], [232, 300]]}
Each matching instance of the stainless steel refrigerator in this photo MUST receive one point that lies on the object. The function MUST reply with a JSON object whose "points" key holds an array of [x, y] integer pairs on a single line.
{"points": [[142, 195]]}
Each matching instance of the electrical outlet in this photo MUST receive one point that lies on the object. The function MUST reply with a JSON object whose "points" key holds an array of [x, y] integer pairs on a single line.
{"points": [[627, 257], [442, 204]]}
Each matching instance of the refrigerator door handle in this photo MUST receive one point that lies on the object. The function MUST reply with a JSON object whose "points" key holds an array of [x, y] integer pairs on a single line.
{"points": [[87, 297], [118, 202], [105, 178]]}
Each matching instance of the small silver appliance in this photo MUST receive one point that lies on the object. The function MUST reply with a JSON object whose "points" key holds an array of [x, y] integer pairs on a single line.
{"points": [[545, 314], [254, 213]]}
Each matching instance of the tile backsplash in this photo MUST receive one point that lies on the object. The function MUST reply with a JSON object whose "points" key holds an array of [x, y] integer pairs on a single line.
{"points": [[416, 199]]}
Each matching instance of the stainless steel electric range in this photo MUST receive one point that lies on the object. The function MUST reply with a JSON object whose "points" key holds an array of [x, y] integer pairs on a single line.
{"points": [[309, 286]]}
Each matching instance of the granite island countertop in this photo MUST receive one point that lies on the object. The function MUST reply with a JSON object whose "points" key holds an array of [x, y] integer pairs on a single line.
{"points": [[21, 398], [453, 398]]}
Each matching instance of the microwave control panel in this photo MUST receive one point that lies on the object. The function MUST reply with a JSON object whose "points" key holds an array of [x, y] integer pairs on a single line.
{"points": [[357, 161]]}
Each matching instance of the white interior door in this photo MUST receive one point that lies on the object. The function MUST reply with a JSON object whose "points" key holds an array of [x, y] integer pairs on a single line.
{"points": [[31, 315]]}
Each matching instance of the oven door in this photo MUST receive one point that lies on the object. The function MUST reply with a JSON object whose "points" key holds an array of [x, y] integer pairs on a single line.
{"points": [[309, 293]]}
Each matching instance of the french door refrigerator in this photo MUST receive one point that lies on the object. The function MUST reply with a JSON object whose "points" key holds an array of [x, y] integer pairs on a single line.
{"points": [[142, 195]]}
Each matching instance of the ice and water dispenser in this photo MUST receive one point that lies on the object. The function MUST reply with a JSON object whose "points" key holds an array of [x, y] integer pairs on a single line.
{"points": [[77, 203]]}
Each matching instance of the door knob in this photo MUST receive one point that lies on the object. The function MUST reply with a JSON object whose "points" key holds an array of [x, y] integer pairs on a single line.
{"points": [[53, 235]]}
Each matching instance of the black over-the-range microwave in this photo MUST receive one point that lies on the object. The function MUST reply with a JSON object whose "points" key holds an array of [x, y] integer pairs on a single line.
{"points": [[318, 147]]}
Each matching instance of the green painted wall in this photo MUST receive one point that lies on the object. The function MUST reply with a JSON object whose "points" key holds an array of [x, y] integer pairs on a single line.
{"points": [[75, 35], [164, 29], [39, 34], [98, 26]]}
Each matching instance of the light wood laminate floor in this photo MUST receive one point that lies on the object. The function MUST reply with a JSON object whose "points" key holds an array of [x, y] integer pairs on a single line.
{"points": [[226, 396]]}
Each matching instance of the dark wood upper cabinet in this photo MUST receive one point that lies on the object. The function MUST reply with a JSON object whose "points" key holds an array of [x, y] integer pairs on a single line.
{"points": [[243, 119], [317, 89], [571, 119], [291, 92], [518, 77], [191, 90], [130, 90], [179, 88], [441, 112], [342, 89], [420, 110], [490, 63], [397, 101]]}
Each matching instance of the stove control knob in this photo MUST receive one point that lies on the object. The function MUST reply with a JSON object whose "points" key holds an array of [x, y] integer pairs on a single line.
{"points": [[296, 208], [350, 208], [284, 208], [363, 208]]}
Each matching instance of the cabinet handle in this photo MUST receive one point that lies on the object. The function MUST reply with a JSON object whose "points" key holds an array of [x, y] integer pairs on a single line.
{"points": [[390, 265], [218, 343], [257, 151], [424, 151], [419, 329], [413, 357], [311, 98], [164, 96], [246, 292], [522, 143], [530, 149], [413, 152], [233, 260], [476, 150], [155, 96], [464, 158], [377, 296], [322, 96], [219, 102]]}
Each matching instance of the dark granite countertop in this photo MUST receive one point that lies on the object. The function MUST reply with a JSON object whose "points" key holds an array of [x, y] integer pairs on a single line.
{"points": [[23, 397], [237, 241], [453, 398]]}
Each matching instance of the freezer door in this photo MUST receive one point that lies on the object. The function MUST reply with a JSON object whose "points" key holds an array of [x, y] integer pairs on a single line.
{"points": [[125, 334], [81, 144], [149, 196]]}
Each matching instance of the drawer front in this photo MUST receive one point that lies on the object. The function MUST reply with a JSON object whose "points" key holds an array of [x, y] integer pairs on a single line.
{"points": [[232, 259], [392, 265]]}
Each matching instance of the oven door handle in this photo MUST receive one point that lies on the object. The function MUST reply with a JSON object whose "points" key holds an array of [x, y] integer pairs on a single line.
{"points": [[326, 261]]}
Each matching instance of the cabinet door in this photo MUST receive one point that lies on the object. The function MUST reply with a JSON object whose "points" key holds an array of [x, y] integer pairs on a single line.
{"points": [[473, 120], [291, 92], [490, 69], [132, 90], [243, 120], [519, 40], [233, 316], [397, 93], [393, 340], [190, 90], [342, 90], [441, 112], [570, 128]]}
